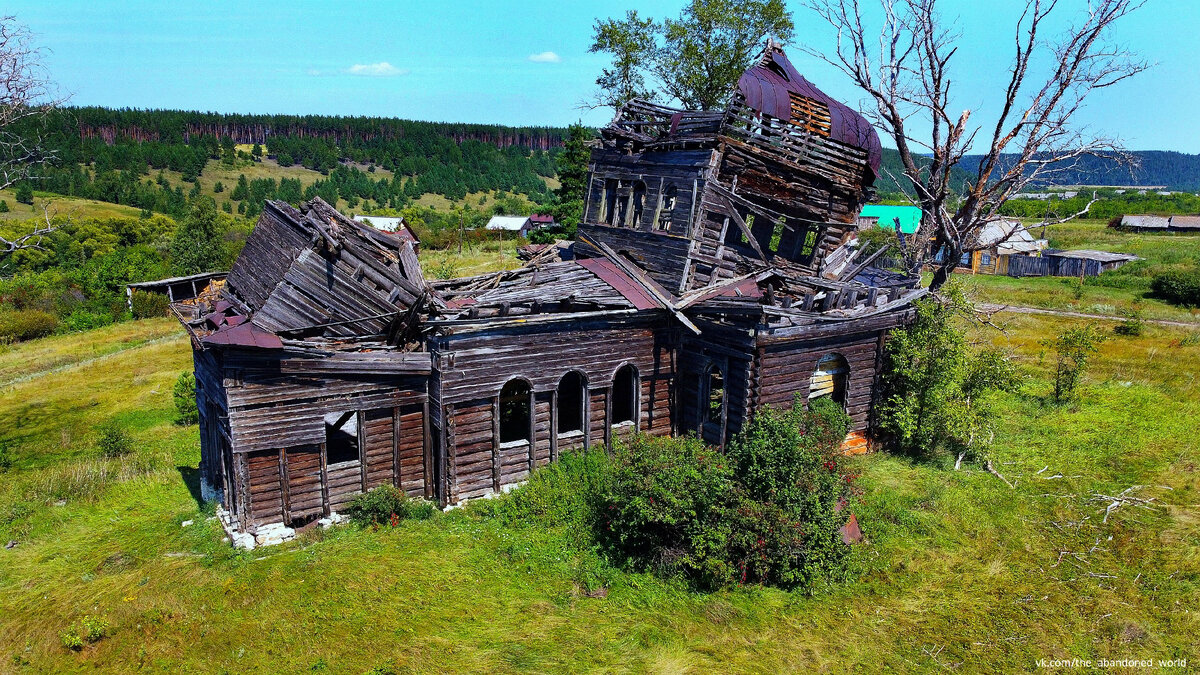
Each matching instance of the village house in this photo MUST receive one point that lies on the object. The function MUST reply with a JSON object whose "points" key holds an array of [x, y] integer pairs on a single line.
{"points": [[997, 241], [393, 225], [715, 273], [519, 226]]}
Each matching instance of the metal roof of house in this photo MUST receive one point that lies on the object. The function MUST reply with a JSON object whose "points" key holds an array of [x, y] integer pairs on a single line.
{"points": [[768, 88], [910, 216], [1088, 254], [1145, 222], [510, 223]]}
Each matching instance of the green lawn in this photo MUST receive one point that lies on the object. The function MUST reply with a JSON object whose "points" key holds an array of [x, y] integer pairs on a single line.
{"points": [[959, 572], [72, 207]]}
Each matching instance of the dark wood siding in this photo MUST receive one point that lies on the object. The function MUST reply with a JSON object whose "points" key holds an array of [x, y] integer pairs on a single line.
{"points": [[786, 370]]}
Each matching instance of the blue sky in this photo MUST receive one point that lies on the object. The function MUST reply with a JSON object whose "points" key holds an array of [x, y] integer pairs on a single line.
{"points": [[522, 63]]}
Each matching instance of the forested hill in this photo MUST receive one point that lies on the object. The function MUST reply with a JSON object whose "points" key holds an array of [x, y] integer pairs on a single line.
{"points": [[316, 141], [111, 155], [1173, 170]]}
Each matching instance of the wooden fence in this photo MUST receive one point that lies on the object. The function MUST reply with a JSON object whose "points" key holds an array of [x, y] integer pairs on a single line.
{"points": [[1051, 266]]}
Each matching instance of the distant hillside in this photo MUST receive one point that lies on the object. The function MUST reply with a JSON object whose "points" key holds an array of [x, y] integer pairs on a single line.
{"points": [[1174, 170], [112, 155]]}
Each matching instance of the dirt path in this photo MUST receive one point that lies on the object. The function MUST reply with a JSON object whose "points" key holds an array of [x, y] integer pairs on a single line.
{"points": [[1021, 309]]}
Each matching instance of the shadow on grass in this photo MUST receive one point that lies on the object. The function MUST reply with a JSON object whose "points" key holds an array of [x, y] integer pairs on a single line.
{"points": [[191, 478]]}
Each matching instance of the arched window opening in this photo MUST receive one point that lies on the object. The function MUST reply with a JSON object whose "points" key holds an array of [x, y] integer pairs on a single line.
{"points": [[670, 196], [610, 200], [625, 395], [341, 437], [515, 411], [716, 395], [572, 396], [639, 203], [829, 379]]}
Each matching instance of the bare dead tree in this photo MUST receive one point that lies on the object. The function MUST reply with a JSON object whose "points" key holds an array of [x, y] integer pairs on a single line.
{"points": [[25, 94], [907, 76]]}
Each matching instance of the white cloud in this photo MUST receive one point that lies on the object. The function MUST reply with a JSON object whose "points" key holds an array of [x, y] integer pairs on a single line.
{"points": [[381, 69], [545, 57]]}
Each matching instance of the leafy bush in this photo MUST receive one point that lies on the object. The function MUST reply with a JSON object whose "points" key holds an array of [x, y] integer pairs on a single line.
{"points": [[113, 440], [787, 520], [666, 509], [26, 324], [6, 461], [94, 628], [1132, 326], [148, 305], [566, 492], [1074, 348], [446, 269], [71, 639], [766, 512], [387, 505], [184, 394], [90, 630], [1180, 287]]}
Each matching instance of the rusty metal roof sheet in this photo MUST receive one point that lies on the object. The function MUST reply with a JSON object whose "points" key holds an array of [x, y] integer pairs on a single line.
{"points": [[244, 335], [767, 86], [612, 275]]}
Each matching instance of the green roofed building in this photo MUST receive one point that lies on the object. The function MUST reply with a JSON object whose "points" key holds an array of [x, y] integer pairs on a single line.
{"points": [[885, 216]]}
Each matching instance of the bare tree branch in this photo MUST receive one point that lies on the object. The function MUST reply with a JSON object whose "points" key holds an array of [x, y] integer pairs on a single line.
{"points": [[26, 94], [1033, 138]]}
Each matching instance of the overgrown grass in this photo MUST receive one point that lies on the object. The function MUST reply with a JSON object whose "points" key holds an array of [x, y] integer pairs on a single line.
{"points": [[958, 572]]}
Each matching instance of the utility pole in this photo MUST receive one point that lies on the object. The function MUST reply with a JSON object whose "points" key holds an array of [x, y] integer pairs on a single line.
{"points": [[460, 233]]}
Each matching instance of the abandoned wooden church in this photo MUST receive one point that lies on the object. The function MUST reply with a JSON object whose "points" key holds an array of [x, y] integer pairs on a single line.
{"points": [[716, 271]]}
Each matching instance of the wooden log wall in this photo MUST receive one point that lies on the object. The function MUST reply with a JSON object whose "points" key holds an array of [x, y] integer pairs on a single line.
{"points": [[784, 369], [474, 367], [679, 171], [730, 348], [664, 257], [277, 425]]}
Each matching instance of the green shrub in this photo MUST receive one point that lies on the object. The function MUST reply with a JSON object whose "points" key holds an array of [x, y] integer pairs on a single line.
{"points": [[26, 324], [937, 391], [184, 394], [1180, 287], [786, 524], [94, 628], [567, 492], [113, 440], [446, 269], [768, 511], [1132, 326], [666, 509], [90, 630], [6, 461], [71, 639], [1073, 349], [148, 305], [387, 505], [82, 320]]}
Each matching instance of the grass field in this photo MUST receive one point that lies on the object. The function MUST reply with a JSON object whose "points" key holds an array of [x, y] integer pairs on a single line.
{"points": [[62, 206], [959, 571]]}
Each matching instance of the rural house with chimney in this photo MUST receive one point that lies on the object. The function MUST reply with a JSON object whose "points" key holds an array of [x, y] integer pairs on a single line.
{"points": [[715, 272]]}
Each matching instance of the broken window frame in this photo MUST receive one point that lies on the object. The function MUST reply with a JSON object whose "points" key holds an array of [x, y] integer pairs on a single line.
{"points": [[518, 429], [575, 407], [337, 450], [630, 407]]}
